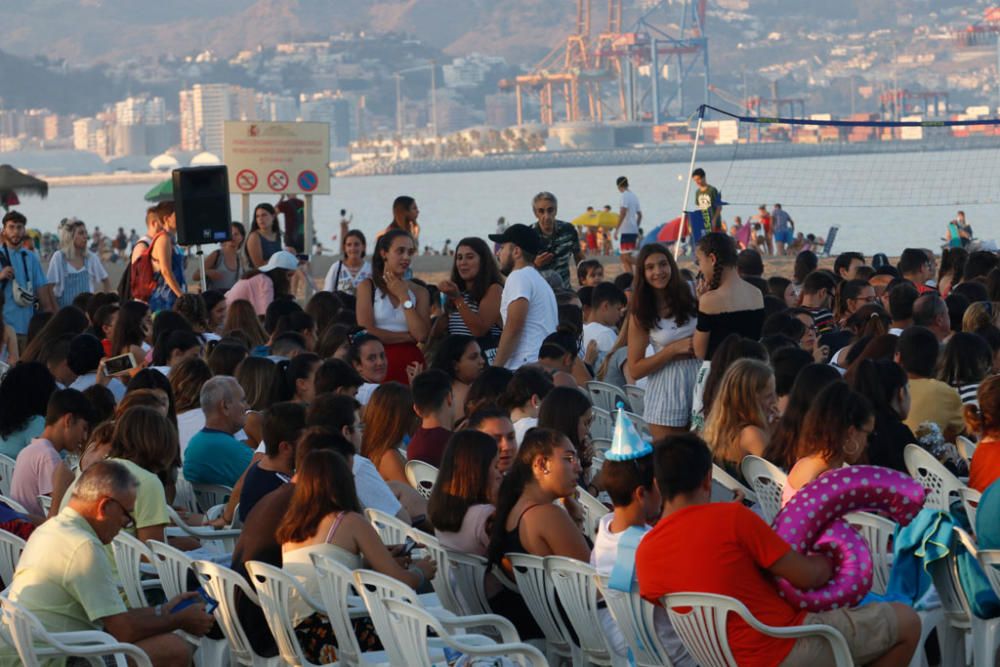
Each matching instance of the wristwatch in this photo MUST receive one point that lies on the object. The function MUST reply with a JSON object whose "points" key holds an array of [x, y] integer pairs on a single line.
{"points": [[407, 305]]}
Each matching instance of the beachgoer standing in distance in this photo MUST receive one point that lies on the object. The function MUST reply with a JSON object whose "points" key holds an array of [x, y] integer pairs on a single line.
{"points": [[783, 229], [73, 269], [708, 200], [629, 219], [265, 238], [559, 240], [527, 303], [22, 267]]}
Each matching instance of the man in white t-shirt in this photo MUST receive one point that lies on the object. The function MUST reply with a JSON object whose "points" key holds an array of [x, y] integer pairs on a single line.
{"points": [[527, 305], [607, 306], [629, 219]]}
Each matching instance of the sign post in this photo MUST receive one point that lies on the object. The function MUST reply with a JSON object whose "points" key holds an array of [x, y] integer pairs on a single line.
{"points": [[280, 159]]}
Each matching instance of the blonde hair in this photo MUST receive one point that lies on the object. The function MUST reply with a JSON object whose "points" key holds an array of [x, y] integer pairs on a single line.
{"points": [[979, 315], [67, 230], [241, 316], [737, 405]]}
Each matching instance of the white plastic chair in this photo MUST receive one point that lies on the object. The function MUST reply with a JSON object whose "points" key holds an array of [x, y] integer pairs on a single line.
{"points": [[25, 632], [768, 483], [173, 566], [955, 610], [540, 597], [216, 511], [223, 540], [941, 485], [724, 485], [390, 529], [13, 504], [468, 575], [640, 425], [965, 446], [210, 495], [11, 548], [702, 628], [221, 584], [410, 631], [635, 619], [970, 501], [442, 583], [985, 632], [636, 398], [606, 396], [573, 582], [129, 552], [421, 476], [6, 474], [593, 510], [877, 532], [342, 604], [603, 426], [46, 504], [601, 446], [274, 587]]}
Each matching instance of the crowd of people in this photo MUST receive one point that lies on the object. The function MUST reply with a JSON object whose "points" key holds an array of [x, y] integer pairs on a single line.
{"points": [[118, 404]]}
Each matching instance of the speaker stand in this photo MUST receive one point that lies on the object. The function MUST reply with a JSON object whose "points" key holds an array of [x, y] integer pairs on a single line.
{"points": [[201, 266]]}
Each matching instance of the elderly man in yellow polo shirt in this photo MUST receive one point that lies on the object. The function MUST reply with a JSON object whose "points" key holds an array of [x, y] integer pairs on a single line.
{"points": [[65, 578]]}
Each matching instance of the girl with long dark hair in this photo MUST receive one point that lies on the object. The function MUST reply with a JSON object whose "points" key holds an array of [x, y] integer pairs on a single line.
{"points": [[473, 294], [462, 502], [781, 450], [345, 275], [395, 309], [461, 358], [885, 384], [570, 412], [265, 238], [663, 313]]}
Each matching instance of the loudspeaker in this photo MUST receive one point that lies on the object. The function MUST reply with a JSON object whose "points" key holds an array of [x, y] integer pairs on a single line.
{"points": [[201, 196]]}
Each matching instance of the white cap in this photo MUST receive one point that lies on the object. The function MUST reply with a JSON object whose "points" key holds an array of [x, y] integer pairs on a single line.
{"points": [[281, 260]]}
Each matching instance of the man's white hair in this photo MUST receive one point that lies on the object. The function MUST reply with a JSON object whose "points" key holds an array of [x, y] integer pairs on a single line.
{"points": [[218, 389], [104, 478]]}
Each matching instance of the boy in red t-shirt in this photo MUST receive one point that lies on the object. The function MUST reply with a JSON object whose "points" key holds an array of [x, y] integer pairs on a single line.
{"points": [[724, 548]]}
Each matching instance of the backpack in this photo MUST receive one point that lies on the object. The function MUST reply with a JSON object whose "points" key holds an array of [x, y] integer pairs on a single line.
{"points": [[141, 277]]}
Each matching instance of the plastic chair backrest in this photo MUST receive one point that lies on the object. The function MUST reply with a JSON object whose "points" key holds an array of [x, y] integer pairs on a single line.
{"points": [[724, 484], [442, 583], [603, 426], [209, 495], [6, 474], [172, 566], [335, 588], [540, 597], [954, 604], [634, 617], [128, 552], [941, 485], [970, 501], [966, 447], [593, 510], [636, 398], [390, 529], [221, 584], [375, 587], [768, 483], [989, 559], [11, 547], [606, 396], [421, 476], [468, 575], [877, 532], [274, 587], [573, 582]]}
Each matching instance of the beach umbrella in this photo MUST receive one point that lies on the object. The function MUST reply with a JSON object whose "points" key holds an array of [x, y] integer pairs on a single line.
{"points": [[596, 219], [161, 192], [14, 183], [665, 233]]}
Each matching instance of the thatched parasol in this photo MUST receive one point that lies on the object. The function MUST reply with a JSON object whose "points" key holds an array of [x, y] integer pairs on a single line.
{"points": [[14, 183]]}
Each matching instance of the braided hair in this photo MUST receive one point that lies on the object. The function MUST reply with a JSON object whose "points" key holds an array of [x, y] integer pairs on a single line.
{"points": [[723, 247]]}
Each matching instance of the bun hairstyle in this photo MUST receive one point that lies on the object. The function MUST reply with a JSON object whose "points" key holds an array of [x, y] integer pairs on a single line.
{"points": [[723, 247], [985, 419]]}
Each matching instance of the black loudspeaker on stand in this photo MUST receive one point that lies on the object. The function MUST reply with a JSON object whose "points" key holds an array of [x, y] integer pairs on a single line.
{"points": [[201, 196]]}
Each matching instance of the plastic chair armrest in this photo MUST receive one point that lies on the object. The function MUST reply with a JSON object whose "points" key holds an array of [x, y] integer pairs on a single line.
{"points": [[534, 656], [841, 652], [508, 634], [132, 651]]}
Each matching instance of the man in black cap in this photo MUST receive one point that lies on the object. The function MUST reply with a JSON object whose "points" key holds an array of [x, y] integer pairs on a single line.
{"points": [[528, 305]]}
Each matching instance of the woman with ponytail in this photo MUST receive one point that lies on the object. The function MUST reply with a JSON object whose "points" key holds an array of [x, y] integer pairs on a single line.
{"points": [[727, 303], [985, 421], [885, 385]]}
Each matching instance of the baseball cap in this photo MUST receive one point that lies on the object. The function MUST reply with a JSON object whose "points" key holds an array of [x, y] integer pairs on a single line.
{"points": [[523, 236], [281, 260]]}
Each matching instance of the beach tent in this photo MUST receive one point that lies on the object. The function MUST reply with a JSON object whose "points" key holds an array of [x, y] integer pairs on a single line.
{"points": [[161, 192], [14, 183]]}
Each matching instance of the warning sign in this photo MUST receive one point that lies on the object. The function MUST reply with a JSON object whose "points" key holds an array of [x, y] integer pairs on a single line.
{"points": [[277, 180], [246, 180], [252, 148], [308, 180]]}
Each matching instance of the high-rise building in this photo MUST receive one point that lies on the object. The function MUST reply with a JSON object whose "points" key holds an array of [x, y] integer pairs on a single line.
{"points": [[277, 107], [142, 110], [206, 107], [501, 110], [84, 131], [336, 110]]}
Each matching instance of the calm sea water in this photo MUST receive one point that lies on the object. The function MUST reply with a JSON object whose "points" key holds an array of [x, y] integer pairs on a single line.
{"points": [[462, 204]]}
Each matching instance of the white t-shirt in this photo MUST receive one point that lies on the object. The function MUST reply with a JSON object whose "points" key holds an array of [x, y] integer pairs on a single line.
{"points": [[89, 379], [603, 559], [372, 490], [59, 267], [348, 281], [605, 337], [630, 225], [188, 424], [365, 392], [542, 318], [521, 427]]}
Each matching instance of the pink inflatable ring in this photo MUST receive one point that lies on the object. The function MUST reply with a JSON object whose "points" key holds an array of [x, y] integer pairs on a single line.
{"points": [[812, 523]]}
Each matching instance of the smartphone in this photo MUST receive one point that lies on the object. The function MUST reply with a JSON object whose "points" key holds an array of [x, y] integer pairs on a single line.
{"points": [[302, 257], [408, 546], [210, 604], [123, 363]]}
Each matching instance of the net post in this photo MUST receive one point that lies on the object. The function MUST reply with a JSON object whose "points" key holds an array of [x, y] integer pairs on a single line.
{"points": [[682, 227]]}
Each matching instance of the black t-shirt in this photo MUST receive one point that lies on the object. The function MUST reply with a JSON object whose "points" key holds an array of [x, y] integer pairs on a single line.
{"points": [[257, 484], [887, 441]]}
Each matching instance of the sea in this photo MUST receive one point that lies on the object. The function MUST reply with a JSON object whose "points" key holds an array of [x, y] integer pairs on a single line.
{"points": [[455, 205]]}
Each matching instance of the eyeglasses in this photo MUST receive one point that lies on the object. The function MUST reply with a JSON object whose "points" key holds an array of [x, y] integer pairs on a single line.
{"points": [[130, 520], [866, 299], [550, 209]]}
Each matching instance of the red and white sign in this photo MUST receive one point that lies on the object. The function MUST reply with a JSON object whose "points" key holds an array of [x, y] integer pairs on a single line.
{"points": [[277, 180], [246, 180]]}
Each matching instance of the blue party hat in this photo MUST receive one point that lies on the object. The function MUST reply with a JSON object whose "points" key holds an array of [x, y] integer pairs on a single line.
{"points": [[626, 444]]}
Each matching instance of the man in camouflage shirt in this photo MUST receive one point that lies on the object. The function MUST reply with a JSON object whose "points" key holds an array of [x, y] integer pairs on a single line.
{"points": [[560, 242]]}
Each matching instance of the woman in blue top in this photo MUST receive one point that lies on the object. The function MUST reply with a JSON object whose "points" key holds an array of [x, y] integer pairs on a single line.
{"points": [[265, 239], [24, 395], [168, 262]]}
